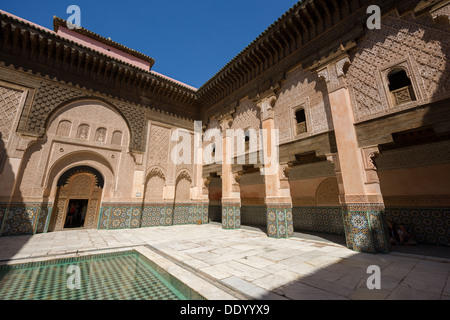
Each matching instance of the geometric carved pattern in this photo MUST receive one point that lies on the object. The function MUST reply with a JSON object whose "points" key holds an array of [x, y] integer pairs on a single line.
{"points": [[415, 156], [158, 146], [81, 186], [83, 132], [100, 135], [9, 105], [116, 138], [302, 89], [328, 193], [420, 39], [51, 95], [64, 128]]}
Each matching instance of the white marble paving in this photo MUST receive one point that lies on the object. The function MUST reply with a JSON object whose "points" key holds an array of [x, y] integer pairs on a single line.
{"points": [[254, 264]]}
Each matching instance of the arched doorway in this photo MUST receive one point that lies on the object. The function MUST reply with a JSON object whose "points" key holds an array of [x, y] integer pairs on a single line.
{"points": [[78, 199]]}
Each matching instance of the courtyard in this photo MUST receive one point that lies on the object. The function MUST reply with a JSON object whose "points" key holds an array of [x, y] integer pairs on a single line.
{"points": [[246, 264]]}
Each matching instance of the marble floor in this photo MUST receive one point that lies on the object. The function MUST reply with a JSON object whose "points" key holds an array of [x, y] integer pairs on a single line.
{"points": [[254, 265]]}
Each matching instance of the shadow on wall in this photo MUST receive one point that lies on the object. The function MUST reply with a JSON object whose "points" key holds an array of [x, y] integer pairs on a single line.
{"points": [[15, 218], [431, 224]]}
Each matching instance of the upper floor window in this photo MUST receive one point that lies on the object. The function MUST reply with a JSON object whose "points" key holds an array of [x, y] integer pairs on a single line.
{"points": [[117, 138], [100, 135], [83, 132], [300, 117], [64, 128], [400, 87]]}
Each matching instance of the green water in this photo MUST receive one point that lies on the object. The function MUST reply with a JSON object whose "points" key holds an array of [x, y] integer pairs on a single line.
{"points": [[119, 276]]}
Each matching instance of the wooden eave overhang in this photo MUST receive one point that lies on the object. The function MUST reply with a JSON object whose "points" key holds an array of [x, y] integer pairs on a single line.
{"points": [[310, 31], [40, 50]]}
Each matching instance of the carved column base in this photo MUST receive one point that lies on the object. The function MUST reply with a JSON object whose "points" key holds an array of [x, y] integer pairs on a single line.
{"points": [[365, 230], [231, 216], [279, 221]]}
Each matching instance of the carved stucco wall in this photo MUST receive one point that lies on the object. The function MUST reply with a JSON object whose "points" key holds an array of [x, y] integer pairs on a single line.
{"points": [[154, 189], [9, 106], [302, 89], [63, 142], [50, 95], [158, 147], [183, 187], [418, 43]]}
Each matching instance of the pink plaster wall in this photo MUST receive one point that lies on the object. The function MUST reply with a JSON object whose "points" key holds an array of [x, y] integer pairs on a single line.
{"points": [[215, 194], [253, 191], [103, 48], [305, 188], [432, 180]]}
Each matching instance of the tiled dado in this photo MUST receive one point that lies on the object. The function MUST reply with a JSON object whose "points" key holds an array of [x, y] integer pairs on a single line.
{"points": [[120, 216], [318, 219], [190, 214], [129, 216], [231, 215], [428, 225], [365, 228], [279, 221], [24, 218], [254, 215]]}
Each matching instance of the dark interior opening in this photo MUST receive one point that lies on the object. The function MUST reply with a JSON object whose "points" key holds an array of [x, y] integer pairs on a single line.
{"points": [[398, 79], [300, 116], [76, 213]]}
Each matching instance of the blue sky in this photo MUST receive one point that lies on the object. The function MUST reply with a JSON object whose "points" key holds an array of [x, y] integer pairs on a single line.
{"points": [[190, 40]]}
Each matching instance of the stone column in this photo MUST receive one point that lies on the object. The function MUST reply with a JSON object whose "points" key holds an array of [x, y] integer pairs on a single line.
{"points": [[231, 195], [200, 185], [278, 197], [360, 195]]}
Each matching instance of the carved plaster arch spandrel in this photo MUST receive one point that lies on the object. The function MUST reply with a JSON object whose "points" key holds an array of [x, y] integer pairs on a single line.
{"points": [[51, 97]]}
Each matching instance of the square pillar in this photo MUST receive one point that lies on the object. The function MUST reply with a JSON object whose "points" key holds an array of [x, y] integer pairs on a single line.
{"points": [[279, 221], [360, 193], [231, 195], [278, 197], [231, 215]]}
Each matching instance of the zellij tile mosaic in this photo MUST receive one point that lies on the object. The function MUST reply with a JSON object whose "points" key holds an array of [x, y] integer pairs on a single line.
{"points": [[120, 276]]}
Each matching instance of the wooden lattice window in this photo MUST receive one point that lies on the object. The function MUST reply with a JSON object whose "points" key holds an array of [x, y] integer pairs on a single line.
{"points": [[83, 132], [300, 118], [400, 87]]}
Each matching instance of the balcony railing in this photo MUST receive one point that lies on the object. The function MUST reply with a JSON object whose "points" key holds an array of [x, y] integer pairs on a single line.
{"points": [[301, 128], [403, 95]]}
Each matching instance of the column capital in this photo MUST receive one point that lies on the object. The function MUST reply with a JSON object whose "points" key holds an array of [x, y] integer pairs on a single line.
{"points": [[334, 72], [138, 157], [371, 171], [266, 102], [226, 121], [284, 169]]}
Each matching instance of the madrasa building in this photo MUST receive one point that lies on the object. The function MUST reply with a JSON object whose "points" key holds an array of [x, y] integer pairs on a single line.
{"points": [[362, 116]]}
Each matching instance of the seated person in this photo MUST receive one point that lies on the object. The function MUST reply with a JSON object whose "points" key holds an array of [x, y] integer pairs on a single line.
{"points": [[404, 235]]}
